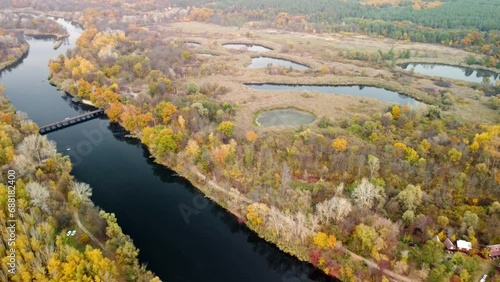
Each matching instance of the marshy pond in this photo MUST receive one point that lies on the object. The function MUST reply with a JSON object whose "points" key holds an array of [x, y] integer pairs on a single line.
{"points": [[192, 44], [353, 90], [247, 47], [262, 62], [455, 72], [285, 117]]}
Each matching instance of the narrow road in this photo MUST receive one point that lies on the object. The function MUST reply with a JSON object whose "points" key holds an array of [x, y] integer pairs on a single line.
{"points": [[370, 263], [79, 223]]}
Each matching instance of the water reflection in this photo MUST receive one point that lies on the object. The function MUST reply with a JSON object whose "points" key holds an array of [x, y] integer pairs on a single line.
{"points": [[455, 72], [354, 90]]}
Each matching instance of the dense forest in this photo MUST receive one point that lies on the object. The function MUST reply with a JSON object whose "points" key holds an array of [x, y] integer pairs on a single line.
{"points": [[48, 204]]}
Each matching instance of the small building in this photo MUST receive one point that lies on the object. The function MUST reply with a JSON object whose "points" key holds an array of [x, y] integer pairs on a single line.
{"points": [[450, 247], [464, 246], [494, 251]]}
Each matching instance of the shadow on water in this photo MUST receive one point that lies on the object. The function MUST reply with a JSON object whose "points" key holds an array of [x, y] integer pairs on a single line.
{"points": [[290, 267]]}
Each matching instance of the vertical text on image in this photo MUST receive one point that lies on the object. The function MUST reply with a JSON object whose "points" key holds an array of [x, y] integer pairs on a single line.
{"points": [[11, 222]]}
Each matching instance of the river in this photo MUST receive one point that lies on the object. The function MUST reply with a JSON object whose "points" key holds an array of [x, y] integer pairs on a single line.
{"points": [[147, 198]]}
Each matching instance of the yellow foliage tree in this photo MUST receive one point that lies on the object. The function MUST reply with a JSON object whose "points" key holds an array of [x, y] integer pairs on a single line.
{"points": [[454, 155], [256, 212], [226, 128], [339, 144], [396, 112], [165, 110], [114, 111], [193, 148], [324, 241]]}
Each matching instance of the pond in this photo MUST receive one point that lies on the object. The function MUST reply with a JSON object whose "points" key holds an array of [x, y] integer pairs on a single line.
{"points": [[262, 62], [247, 47], [353, 90], [455, 72], [191, 44], [279, 117]]}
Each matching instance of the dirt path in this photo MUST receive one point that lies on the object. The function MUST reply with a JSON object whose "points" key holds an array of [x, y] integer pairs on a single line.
{"points": [[354, 256], [79, 223]]}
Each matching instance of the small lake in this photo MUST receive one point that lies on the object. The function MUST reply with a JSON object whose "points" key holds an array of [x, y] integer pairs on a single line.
{"points": [[262, 62], [205, 55], [455, 72], [192, 44], [353, 90], [247, 47], [279, 117]]}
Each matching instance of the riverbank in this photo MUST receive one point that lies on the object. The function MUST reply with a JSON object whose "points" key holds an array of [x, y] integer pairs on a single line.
{"points": [[210, 188], [49, 201], [24, 52]]}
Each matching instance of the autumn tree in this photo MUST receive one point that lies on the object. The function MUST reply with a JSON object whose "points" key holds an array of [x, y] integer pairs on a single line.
{"points": [[251, 136], [339, 144], [39, 195], [335, 208], [164, 111], [411, 197], [365, 194], [37, 147], [79, 194], [324, 241], [226, 128], [396, 112], [114, 111]]}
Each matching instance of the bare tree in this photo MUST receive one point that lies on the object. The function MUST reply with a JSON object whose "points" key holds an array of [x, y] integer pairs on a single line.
{"points": [[336, 208], [37, 147], [80, 193], [366, 193], [286, 176], [23, 165], [39, 195]]}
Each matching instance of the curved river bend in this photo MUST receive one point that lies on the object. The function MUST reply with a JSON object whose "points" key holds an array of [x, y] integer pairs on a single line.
{"points": [[209, 246]]}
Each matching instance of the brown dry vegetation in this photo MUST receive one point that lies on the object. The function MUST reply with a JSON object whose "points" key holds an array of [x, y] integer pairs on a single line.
{"points": [[310, 50]]}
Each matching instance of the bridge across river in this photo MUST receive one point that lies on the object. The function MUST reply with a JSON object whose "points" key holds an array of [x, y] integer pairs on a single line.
{"points": [[71, 121]]}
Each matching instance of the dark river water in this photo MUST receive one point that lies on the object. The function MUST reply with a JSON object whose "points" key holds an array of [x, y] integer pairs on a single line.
{"points": [[147, 199]]}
